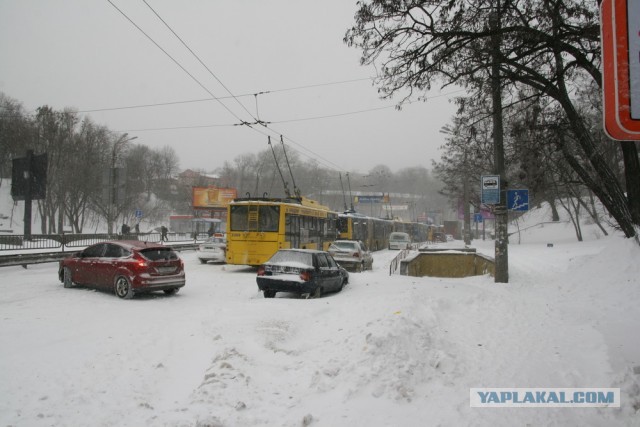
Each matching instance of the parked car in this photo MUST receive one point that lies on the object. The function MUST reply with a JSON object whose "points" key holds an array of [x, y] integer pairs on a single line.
{"points": [[127, 267], [399, 240], [351, 254], [439, 237], [213, 249], [303, 271]]}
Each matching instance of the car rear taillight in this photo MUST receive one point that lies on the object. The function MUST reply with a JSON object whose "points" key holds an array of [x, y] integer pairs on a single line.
{"points": [[261, 270], [356, 254], [305, 275], [140, 263]]}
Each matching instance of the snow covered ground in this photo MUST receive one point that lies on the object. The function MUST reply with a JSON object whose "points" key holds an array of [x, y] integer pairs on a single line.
{"points": [[386, 351]]}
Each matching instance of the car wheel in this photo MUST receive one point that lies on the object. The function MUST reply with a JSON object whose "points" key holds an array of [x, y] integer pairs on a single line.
{"points": [[123, 288], [66, 278], [317, 293], [202, 261], [360, 267], [171, 291], [269, 294]]}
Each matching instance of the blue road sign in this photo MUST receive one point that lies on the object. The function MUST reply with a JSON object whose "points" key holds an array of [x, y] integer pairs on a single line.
{"points": [[369, 199], [477, 217], [138, 213], [518, 200]]}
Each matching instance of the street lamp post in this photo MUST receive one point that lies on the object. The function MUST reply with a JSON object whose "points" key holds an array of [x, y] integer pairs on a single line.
{"points": [[112, 211]]}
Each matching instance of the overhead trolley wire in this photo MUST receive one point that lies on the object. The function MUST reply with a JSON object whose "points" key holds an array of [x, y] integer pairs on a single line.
{"points": [[199, 60], [174, 60], [242, 122], [189, 101]]}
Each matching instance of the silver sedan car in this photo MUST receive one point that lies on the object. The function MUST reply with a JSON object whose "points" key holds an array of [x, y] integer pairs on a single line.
{"points": [[351, 254], [213, 249]]}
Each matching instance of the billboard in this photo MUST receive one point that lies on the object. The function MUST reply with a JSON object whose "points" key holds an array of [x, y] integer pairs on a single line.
{"points": [[212, 197], [29, 174]]}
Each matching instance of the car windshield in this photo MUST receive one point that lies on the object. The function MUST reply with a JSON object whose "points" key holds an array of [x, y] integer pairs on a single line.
{"points": [[398, 236], [156, 254], [292, 258], [350, 246]]}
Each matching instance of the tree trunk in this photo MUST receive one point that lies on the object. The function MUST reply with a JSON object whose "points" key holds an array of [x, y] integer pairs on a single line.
{"points": [[632, 178], [606, 188], [555, 216]]}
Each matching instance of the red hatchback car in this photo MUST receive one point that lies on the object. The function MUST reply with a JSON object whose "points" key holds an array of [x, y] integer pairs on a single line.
{"points": [[127, 267]]}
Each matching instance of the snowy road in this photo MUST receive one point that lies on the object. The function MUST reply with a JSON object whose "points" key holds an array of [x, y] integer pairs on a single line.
{"points": [[386, 351]]}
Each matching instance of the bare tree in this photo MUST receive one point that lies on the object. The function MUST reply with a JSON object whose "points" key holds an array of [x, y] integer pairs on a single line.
{"points": [[16, 133], [551, 46]]}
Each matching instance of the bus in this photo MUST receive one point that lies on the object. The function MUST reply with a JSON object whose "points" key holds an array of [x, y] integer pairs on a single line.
{"points": [[258, 227], [418, 231], [374, 232]]}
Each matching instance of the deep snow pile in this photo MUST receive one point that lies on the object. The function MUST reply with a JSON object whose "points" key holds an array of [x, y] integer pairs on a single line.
{"points": [[386, 351]]}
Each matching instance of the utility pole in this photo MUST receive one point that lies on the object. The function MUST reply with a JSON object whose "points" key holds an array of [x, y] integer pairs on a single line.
{"points": [[465, 197], [112, 211], [502, 237]]}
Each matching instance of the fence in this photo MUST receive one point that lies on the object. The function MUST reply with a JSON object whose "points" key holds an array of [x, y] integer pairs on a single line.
{"points": [[64, 242], [395, 263]]}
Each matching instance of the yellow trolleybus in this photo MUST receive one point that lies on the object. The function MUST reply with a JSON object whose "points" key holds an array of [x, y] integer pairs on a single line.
{"points": [[258, 227], [374, 232]]}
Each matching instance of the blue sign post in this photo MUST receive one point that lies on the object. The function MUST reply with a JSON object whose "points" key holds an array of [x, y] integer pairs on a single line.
{"points": [[138, 213], [518, 200]]}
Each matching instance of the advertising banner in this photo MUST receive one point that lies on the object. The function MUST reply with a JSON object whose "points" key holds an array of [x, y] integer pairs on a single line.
{"points": [[213, 197]]}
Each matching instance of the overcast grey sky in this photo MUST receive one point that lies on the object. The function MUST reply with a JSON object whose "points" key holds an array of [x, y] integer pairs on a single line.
{"points": [[85, 54]]}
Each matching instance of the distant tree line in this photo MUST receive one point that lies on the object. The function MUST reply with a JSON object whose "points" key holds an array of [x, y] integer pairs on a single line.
{"points": [[81, 157], [548, 57], [266, 173]]}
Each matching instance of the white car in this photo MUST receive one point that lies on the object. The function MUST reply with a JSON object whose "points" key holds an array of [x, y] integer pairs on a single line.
{"points": [[351, 254], [399, 240], [213, 249]]}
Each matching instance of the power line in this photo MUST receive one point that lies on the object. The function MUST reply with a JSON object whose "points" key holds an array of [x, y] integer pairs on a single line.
{"points": [[213, 97], [250, 125], [174, 60], [198, 58], [264, 123], [264, 92]]}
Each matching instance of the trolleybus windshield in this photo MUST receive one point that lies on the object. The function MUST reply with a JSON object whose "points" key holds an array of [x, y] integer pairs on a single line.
{"points": [[258, 218]]}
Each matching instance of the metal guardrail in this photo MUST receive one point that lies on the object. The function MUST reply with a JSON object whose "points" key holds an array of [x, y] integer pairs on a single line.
{"points": [[395, 263], [26, 259], [65, 242], [42, 248], [38, 258]]}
